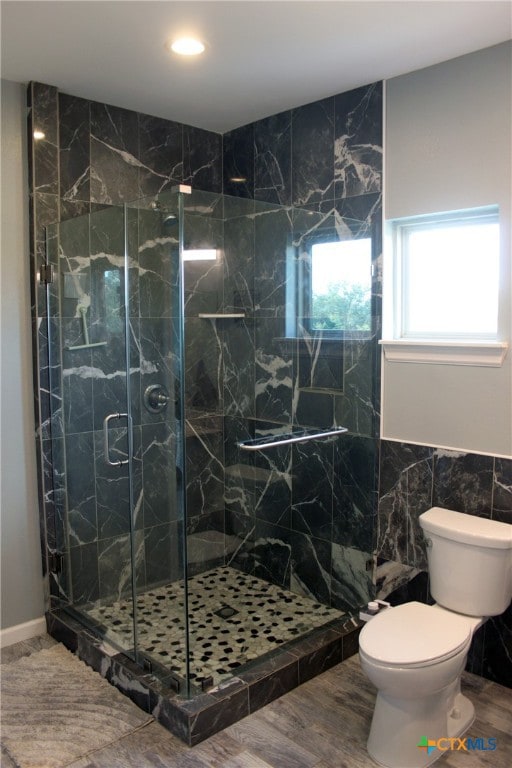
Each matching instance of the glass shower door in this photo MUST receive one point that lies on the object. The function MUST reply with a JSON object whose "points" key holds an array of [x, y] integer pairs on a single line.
{"points": [[116, 430]]}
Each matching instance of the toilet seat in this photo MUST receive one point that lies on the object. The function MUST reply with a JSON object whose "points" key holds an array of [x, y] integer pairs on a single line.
{"points": [[414, 635]]}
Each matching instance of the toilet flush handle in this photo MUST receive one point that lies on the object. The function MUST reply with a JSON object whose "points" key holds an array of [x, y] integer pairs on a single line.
{"points": [[428, 543]]}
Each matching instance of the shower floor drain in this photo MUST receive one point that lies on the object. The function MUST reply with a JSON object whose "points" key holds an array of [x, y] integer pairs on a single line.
{"points": [[226, 612]]}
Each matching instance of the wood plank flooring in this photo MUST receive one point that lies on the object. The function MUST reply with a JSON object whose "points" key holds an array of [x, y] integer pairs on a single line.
{"points": [[322, 724]]}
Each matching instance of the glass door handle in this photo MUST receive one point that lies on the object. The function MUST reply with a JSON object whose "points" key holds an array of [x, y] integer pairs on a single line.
{"points": [[106, 445]]}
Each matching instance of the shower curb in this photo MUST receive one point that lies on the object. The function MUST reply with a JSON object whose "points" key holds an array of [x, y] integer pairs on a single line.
{"points": [[195, 719]]}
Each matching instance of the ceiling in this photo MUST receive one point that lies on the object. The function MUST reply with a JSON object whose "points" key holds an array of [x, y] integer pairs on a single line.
{"points": [[261, 57]]}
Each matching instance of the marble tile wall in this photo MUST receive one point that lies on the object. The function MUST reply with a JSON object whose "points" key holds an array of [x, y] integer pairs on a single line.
{"points": [[414, 478], [332, 169], [305, 514]]}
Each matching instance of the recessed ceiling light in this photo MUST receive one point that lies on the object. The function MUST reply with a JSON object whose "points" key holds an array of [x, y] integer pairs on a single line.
{"points": [[38, 135], [186, 46]]}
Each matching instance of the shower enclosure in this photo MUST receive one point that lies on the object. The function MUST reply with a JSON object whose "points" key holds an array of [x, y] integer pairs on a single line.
{"points": [[191, 406]]}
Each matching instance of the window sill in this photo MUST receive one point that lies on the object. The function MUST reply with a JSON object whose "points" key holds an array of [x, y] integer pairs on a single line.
{"points": [[490, 354]]}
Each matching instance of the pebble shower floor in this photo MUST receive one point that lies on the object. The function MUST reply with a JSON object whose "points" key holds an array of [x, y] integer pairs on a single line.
{"points": [[234, 618]]}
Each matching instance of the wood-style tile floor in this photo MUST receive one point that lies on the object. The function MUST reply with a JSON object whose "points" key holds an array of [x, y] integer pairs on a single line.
{"points": [[322, 724]]}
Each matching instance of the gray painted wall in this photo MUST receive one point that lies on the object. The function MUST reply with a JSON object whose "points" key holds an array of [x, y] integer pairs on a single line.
{"points": [[22, 582], [447, 147]]}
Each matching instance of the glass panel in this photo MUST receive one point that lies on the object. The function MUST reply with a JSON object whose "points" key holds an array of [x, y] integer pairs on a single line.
{"points": [[88, 372], [155, 395]]}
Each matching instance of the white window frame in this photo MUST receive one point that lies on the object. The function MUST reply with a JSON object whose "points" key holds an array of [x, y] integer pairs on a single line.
{"points": [[449, 349]]}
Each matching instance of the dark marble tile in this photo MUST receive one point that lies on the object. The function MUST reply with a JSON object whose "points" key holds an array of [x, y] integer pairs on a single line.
{"points": [[163, 553], [358, 141], [205, 472], [155, 258], [76, 381], [355, 492], [112, 482], [218, 716], [399, 584], [238, 161], [204, 383], [351, 581], [159, 460], [202, 159], [360, 215], [64, 629], [263, 691], [272, 159], [81, 491], [474, 661], [502, 490], [351, 642], [497, 651], [161, 154], [272, 239], [406, 479], [356, 408], [169, 714], [238, 368], [312, 489], [44, 118], [311, 567], [325, 655], [158, 347], [84, 575], [114, 567], [271, 553], [463, 482], [313, 152], [74, 150], [273, 370], [319, 362], [239, 264], [313, 408], [115, 160]]}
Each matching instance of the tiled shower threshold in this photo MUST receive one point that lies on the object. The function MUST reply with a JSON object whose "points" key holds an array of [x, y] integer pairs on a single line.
{"points": [[195, 719]]}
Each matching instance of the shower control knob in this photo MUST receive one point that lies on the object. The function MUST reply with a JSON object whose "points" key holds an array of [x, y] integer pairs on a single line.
{"points": [[155, 398]]}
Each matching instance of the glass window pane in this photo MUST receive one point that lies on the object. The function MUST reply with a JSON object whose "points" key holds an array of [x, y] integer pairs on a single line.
{"points": [[341, 285], [450, 279]]}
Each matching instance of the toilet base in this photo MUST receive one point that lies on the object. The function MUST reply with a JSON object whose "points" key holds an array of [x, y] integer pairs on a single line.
{"points": [[399, 725]]}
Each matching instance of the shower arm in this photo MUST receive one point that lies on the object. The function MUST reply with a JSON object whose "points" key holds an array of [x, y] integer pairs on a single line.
{"points": [[261, 443]]}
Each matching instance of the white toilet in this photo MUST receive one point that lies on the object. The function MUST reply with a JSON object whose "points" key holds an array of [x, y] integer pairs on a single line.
{"points": [[415, 653]]}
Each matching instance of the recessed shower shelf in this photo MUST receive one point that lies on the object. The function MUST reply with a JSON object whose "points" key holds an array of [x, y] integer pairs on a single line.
{"points": [[221, 315], [297, 436]]}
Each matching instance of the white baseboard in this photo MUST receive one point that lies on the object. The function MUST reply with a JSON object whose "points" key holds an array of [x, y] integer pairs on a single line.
{"points": [[24, 631]]}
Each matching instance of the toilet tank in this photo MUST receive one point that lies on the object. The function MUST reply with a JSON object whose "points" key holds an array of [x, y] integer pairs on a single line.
{"points": [[469, 560]]}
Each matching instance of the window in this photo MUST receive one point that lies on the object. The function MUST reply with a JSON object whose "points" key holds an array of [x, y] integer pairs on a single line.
{"points": [[447, 276], [335, 287]]}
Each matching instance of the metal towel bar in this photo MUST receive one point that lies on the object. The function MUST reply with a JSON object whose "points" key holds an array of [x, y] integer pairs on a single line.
{"points": [[299, 436]]}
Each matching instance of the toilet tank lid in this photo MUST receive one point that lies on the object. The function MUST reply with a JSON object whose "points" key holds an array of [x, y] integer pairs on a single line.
{"points": [[468, 529]]}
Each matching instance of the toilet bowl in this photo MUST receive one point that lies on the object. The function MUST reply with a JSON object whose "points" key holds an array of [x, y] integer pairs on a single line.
{"points": [[417, 673]]}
